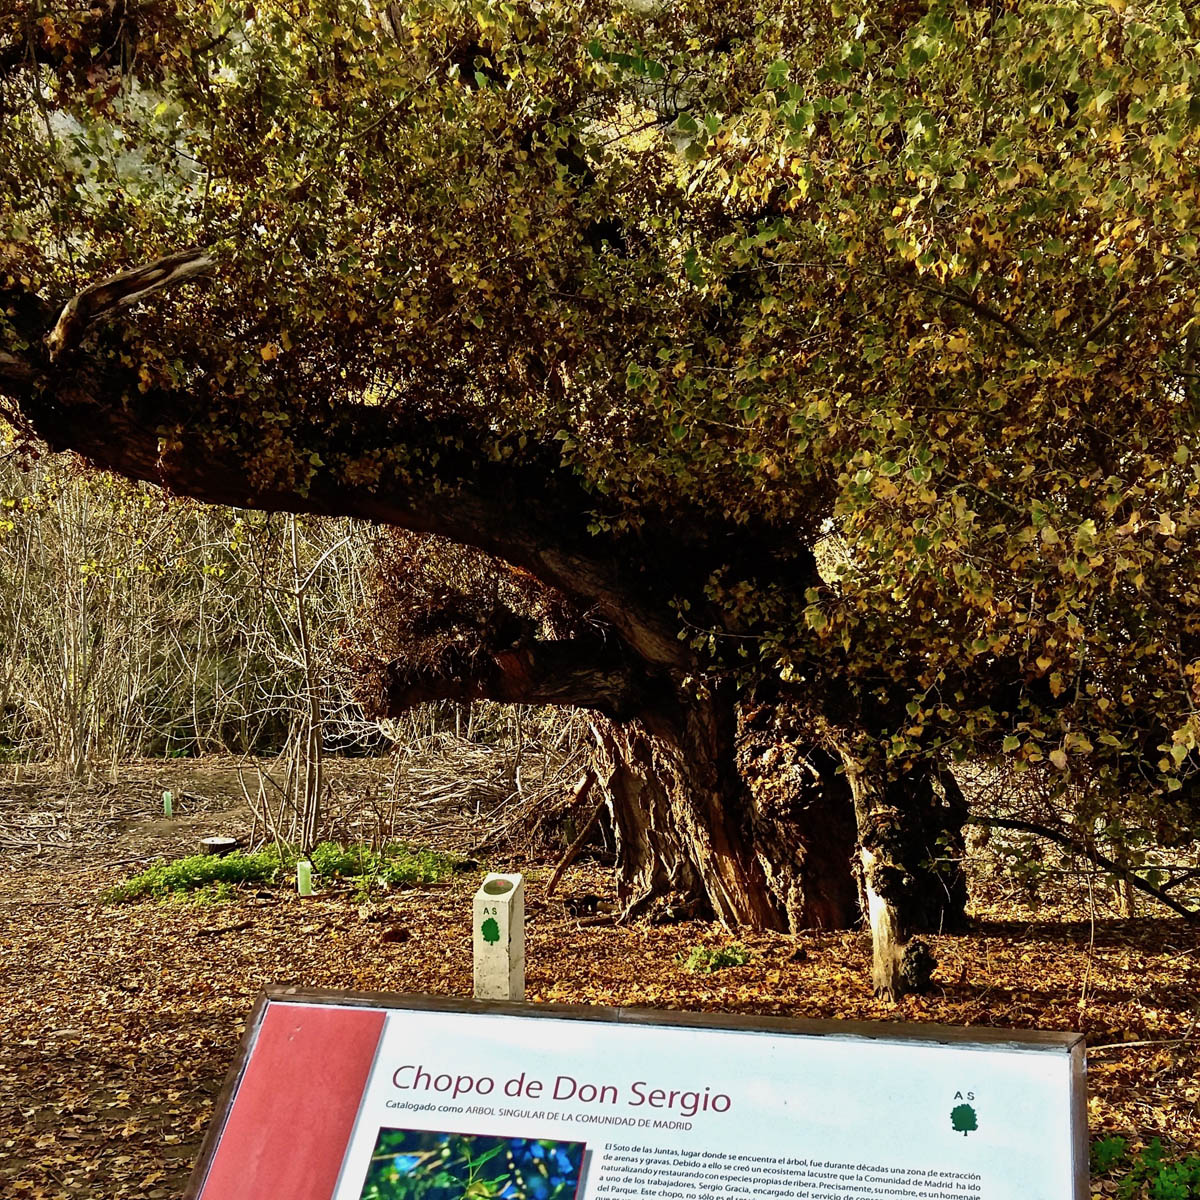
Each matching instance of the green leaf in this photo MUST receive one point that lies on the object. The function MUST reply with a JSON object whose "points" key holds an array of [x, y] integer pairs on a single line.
{"points": [[778, 74]]}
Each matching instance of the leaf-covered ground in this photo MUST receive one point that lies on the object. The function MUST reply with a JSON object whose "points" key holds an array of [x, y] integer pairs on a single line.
{"points": [[118, 1023]]}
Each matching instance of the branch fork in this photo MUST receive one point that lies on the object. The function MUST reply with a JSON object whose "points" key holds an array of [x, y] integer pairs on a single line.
{"points": [[119, 291]]}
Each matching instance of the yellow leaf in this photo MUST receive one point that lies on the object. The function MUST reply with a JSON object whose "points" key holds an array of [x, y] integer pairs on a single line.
{"points": [[1060, 315], [269, 351], [1059, 759]]}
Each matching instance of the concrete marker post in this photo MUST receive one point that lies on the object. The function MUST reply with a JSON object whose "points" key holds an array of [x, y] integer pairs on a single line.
{"points": [[498, 919]]}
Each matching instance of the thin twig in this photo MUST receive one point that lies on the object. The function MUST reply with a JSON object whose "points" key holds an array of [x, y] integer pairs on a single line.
{"points": [[1134, 1045], [1090, 853], [581, 790]]}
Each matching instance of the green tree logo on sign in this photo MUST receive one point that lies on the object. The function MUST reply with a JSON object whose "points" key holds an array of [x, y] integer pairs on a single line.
{"points": [[490, 931], [962, 1118]]}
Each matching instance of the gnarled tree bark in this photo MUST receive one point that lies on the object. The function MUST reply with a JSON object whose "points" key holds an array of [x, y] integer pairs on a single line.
{"points": [[910, 846], [685, 836]]}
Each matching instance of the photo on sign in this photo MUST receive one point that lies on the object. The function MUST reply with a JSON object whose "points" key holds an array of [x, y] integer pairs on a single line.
{"points": [[423, 1164]]}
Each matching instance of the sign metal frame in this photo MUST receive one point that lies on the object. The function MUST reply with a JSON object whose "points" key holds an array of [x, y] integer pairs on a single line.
{"points": [[1073, 1045]]}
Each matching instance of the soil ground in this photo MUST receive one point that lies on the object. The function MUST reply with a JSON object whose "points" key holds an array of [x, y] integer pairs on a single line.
{"points": [[118, 1023]]}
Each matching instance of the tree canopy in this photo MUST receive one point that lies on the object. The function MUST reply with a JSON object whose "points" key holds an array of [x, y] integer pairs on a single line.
{"points": [[851, 348]]}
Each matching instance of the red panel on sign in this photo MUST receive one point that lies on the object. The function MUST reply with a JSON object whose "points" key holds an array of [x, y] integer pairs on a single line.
{"points": [[296, 1104]]}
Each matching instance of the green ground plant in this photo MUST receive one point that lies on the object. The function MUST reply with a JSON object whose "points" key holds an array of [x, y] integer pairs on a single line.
{"points": [[203, 897], [1146, 1174], [704, 960], [396, 865], [196, 872], [207, 878]]}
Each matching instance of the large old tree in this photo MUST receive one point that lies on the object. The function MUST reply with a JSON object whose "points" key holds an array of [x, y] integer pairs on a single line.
{"points": [[818, 380]]}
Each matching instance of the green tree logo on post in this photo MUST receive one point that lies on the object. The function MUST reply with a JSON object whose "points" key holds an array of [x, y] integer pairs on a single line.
{"points": [[490, 931], [962, 1118]]}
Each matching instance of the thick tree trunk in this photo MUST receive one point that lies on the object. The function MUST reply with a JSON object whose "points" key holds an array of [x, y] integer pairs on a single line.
{"points": [[683, 840], [723, 802], [657, 869], [935, 816], [802, 818], [713, 818], [883, 879], [910, 848]]}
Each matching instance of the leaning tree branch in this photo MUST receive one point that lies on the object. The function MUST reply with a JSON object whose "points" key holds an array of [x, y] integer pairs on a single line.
{"points": [[1105, 321], [1093, 855], [575, 672], [957, 295], [533, 514], [439, 474], [120, 291], [1187, 874]]}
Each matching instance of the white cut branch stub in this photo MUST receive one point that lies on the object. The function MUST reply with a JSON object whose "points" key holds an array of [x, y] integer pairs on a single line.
{"points": [[498, 917]]}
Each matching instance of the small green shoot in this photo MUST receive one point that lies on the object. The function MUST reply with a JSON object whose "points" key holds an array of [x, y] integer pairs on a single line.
{"points": [[704, 960]]}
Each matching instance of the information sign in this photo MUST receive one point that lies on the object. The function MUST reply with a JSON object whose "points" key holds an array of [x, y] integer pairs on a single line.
{"points": [[338, 1096]]}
